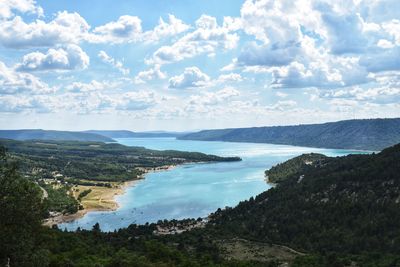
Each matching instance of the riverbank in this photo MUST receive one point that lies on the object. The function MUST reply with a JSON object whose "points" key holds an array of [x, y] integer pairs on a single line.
{"points": [[100, 198]]}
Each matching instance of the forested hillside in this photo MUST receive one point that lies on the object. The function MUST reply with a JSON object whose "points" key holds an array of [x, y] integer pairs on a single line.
{"points": [[345, 205], [343, 212], [370, 134], [94, 160]]}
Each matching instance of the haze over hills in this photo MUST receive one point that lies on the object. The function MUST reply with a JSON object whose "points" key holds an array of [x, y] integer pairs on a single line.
{"points": [[366, 134], [130, 134], [38, 134]]}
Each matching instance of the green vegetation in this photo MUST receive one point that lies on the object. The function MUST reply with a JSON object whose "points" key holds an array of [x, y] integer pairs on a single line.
{"points": [[58, 165], [25, 243], [20, 217], [93, 160], [371, 134], [52, 135], [297, 165], [345, 207], [84, 194], [59, 199], [344, 212]]}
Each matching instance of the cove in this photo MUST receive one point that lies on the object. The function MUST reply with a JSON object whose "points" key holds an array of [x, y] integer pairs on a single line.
{"points": [[194, 190]]}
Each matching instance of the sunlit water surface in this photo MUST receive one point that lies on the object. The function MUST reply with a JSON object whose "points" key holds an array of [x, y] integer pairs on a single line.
{"points": [[194, 190]]}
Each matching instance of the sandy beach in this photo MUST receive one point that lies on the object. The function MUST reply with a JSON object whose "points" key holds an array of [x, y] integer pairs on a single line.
{"points": [[101, 198]]}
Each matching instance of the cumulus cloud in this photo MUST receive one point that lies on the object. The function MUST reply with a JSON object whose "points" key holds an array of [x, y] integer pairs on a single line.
{"points": [[205, 39], [68, 58], [133, 101], [128, 29], [191, 77], [113, 62], [345, 32], [12, 82], [213, 98], [36, 103], [8, 7], [164, 29], [319, 43], [269, 55], [91, 86], [150, 74], [125, 28], [63, 29]]}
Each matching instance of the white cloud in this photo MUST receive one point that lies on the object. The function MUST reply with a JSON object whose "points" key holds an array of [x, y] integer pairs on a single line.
{"points": [[393, 29], [191, 77], [282, 105], [150, 74], [205, 39], [383, 43], [68, 58], [230, 77], [345, 32], [164, 29], [36, 103], [269, 55], [63, 29], [212, 98], [12, 82], [133, 101], [113, 62], [281, 95], [126, 28], [91, 86], [322, 44], [7, 7]]}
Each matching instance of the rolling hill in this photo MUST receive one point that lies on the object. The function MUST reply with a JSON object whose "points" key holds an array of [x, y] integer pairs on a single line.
{"points": [[368, 134], [38, 134], [130, 134]]}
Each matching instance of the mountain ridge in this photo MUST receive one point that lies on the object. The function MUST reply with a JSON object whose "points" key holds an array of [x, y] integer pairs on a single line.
{"points": [[39, 134], [365, 134]]}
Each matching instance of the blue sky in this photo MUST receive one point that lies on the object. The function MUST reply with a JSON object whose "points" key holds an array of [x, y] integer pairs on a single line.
{"points": [[158, 65]]}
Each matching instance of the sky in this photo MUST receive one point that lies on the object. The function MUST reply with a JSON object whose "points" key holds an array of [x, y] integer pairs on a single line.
{"points": [[189, 65]]}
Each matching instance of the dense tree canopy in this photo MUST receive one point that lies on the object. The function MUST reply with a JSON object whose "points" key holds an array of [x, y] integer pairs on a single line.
{"points": [[20, 217]]}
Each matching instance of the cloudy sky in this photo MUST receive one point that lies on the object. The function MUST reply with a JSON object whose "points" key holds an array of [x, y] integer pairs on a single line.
{"points": [[185, 65]]}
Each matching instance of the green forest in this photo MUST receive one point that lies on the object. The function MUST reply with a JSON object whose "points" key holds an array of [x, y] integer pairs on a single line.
{"points": [[337, 215], [365, 134], [97, 161]]}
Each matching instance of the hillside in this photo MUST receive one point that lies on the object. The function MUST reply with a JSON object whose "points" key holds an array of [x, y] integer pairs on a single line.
{"points": [[94, 160], [370, 134], [284, 170], [344, 212], [130, 134], [345, 205], [38, 134]]}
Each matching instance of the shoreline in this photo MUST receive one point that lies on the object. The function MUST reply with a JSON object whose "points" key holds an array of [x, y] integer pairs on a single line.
{"points": [[103, 199]]}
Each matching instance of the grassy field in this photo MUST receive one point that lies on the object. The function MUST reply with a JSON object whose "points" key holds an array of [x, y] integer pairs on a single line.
{"points": [[100, 197]]}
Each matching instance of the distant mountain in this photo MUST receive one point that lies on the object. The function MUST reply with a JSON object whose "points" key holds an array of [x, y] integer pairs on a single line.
{"points": [[37, 134], [130, 134], [369, 134]]}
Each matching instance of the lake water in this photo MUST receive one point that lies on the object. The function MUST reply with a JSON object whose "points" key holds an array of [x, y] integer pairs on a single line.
{"points": [[194, 190]]}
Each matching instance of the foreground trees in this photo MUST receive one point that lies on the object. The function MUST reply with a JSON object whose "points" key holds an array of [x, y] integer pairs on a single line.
{"points": [[20, 217]]}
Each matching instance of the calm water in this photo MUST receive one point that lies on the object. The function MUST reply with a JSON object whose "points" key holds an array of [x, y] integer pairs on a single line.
{"points": [[194, 190]]}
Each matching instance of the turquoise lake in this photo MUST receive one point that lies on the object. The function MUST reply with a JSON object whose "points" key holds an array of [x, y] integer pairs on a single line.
{"points": [[194, 190]]}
